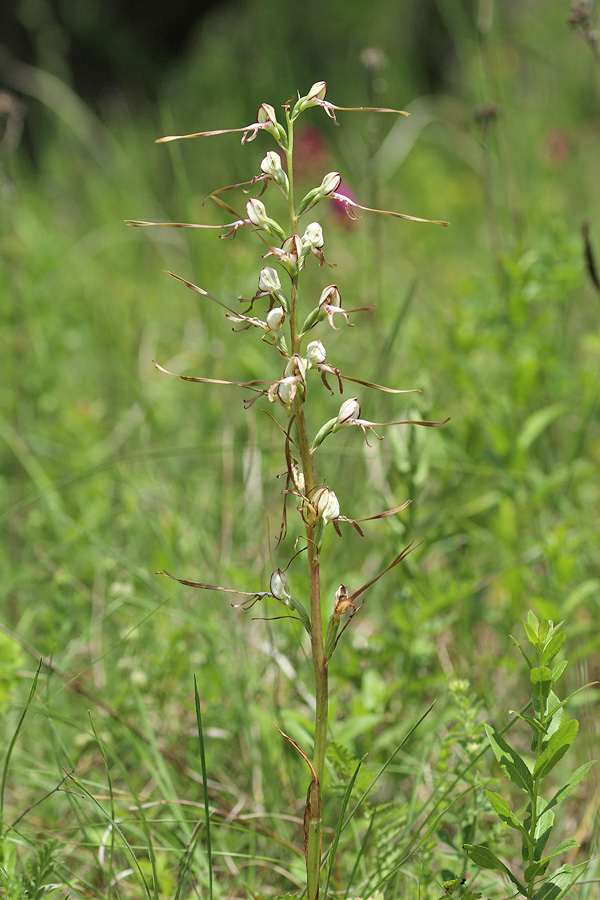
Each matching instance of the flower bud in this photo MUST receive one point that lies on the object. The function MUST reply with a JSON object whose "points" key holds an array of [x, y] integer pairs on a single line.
{"points": [[315, 354], [266, 116], [257, 213], [326, 505], [313, 237], [275, 319], [280, 587], [268, 280], [330, 296], [316, 93], [285, 394], [349, 411], [258, 217], [330, 184], [271, 166]]}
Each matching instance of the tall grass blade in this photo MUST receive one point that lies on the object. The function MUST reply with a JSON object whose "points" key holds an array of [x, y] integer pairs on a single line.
{"points": [[339, 826], [360, 854], [204, 788], [116, 827], [388, 761], [111, 858], [13, 740]]}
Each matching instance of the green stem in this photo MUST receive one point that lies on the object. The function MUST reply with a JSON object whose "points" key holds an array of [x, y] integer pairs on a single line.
{"points": [[314, 825], [530, 887], [534, 799]]}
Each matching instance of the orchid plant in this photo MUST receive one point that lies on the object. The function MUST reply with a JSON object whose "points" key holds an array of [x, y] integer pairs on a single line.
{"points": [[287, 325]]}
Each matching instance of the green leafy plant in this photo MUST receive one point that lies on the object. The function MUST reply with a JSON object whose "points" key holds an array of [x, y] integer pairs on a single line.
{"points": [[288, 329], [552, 735]]}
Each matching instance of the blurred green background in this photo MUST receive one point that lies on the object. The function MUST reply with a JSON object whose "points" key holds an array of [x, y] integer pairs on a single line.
{"points": [[110, 471]]}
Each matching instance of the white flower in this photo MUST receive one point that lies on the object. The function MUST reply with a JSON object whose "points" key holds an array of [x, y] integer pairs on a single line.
{"points": [[329, 185], [313, 236], [266, 115], [258, 217], [349, 411], [285, 394], [315, 353], [326, 505], [257, 213], [271, 164], [268, 280], [330, 296], [275, 319], [280, 586], [316, 93]]}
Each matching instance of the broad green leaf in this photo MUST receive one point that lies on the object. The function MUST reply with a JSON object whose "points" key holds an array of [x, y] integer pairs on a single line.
{"points": [[563, 847], [541, 680], [544, 630], [504, 811], [532, 636], [553, 723], [554, 714], [535, 870], [556, 748], [570, 783], [559, 669], [510, 762], [543, 829], [556, 885], [486, 859], [552, 648], [535, 726]]}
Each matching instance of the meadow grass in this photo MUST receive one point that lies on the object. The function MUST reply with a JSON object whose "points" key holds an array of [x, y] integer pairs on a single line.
{"points": [[110, 473]]}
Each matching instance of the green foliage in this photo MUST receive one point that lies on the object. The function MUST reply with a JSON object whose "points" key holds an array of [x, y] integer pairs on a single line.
{"points": [[552, 737]]}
